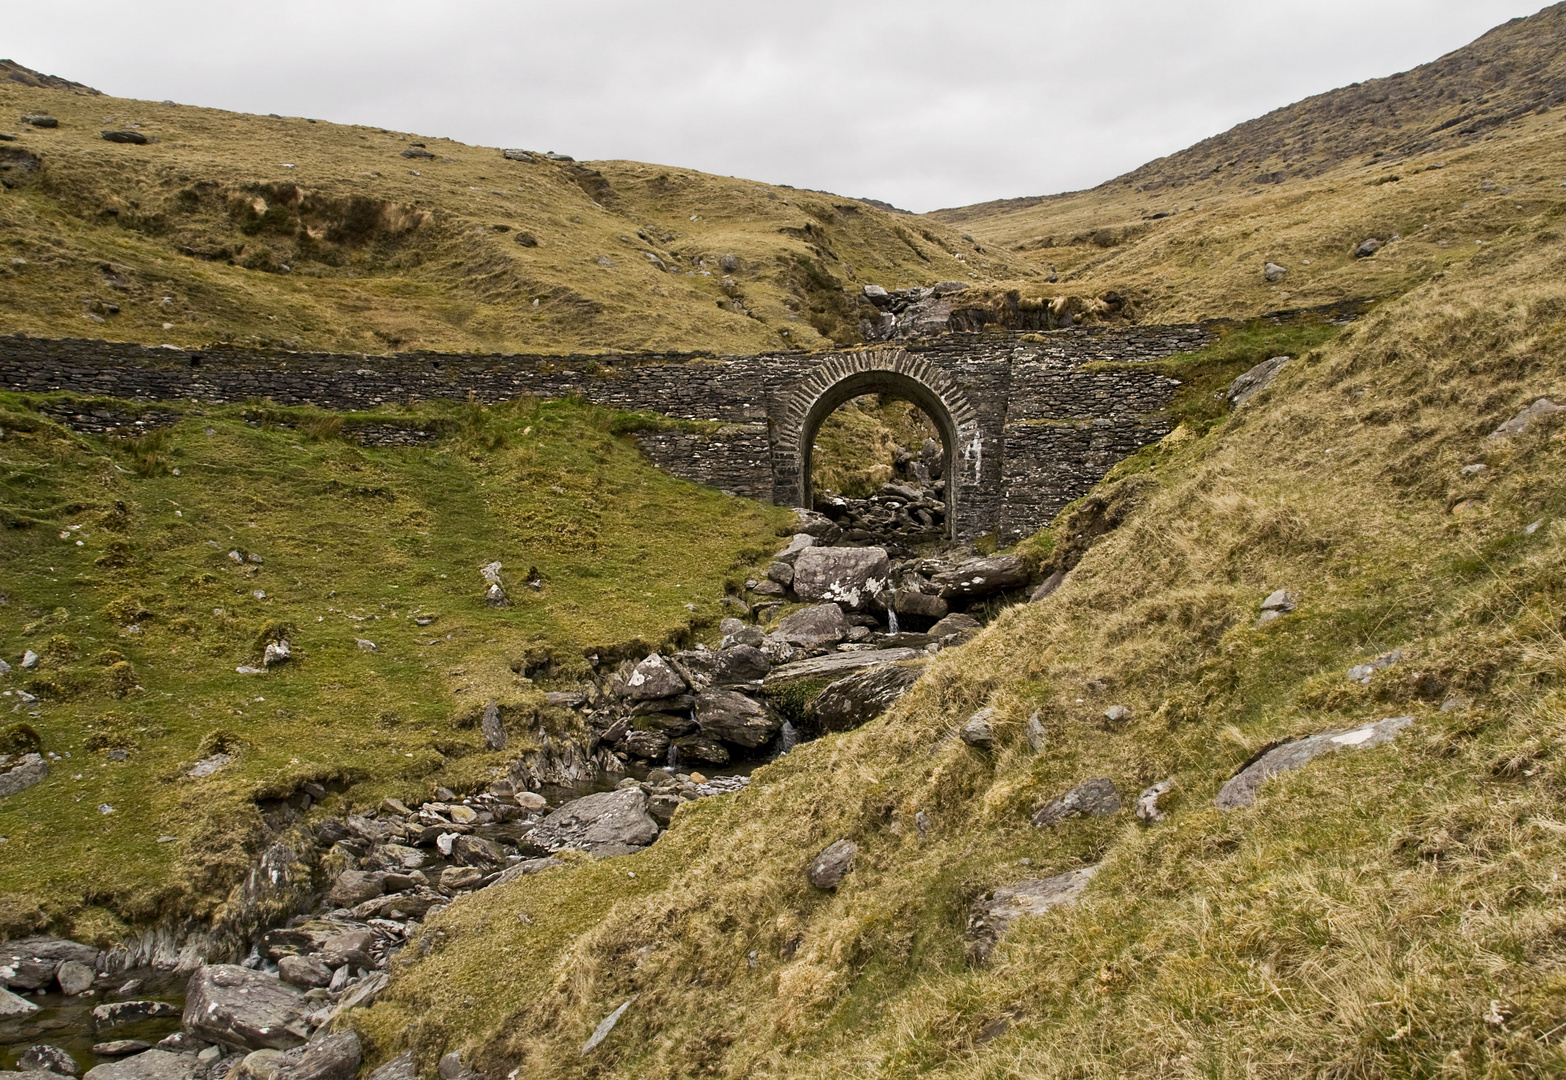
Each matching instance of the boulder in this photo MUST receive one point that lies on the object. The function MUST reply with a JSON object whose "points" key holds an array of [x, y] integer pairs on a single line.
{"points": [[150, 1065], [118, 1013], [607, 819], [354, 887], [1367, 248], [1034, 731], [667, 724], [12, 1006], [735, 718], [478, 851], [75, 978], [248, 1010], [648, 745], [526, 868], [330, 1057], [1093, 798], [350, 947], [740, 664], [954, 624], [396, 857], [852, 577], [31, 963], [398, 1068], [799, 543], [459, 878], [912, 604], [48, 1059], [814, 627], [839, 664], [652, 679], [782, 573], [819, 527], [991, 917], [40, 120], [861, 697], [133, 138], [1048, 586], [304, 972], [29, 770], [1273, 272], [1254, 381], [1519, 423], [982, 577], [494, 731], [1147, 807], [700, 748], [979, 732], [1241, 790], [829, 868]]}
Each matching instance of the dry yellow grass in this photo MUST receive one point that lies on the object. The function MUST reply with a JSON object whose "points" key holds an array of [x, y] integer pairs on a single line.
{"points": [[1389, 912]]}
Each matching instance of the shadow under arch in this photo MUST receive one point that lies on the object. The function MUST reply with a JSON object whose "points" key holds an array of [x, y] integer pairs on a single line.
{"points": [[896, 374]]}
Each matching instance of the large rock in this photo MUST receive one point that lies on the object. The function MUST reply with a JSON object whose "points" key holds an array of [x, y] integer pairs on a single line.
{"points": [[331, 1057], [30, 770], [827, 870], [31, 963], [1242, 789], [118, 1013], [606, 820], [354, 887], [814, 627], [838, 664], [740, 664], [853, 577], [702, 750], [47, 1058], [12, 1006], [919, 605], [1092, 798], [227, 1004], [652, 679], [1254, 381], [992, 916], [861, 697], [149, 1065], [493, 728], [304, 972], [648, 745], [1519, 423], [981, 577], [799, 543], [735, 718], [75, 978], [398, 1068]]}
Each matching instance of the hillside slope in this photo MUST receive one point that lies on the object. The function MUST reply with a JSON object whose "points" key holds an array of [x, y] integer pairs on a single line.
{"points": [[290, 232], [1387, 911], [1445, 158]]}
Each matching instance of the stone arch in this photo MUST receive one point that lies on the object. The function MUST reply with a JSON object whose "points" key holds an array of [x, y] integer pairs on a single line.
{"points": [[843, 377]]}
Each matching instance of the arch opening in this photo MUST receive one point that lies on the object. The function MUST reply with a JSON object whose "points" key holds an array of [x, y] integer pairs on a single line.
{"points": [[884, 508]]}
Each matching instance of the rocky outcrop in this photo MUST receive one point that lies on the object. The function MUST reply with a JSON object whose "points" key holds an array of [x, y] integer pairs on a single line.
{"points": [[1242, 789], [828, 869], [29, 770], [992, 916], [245, 1009], [734, 718], [608, 823], [851, 577], [861, 697]]}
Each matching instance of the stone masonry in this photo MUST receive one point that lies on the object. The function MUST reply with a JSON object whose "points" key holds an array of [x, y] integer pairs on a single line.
{"points": [[1027, 422]]}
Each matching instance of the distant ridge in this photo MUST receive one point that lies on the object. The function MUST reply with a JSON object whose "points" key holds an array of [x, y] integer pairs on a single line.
{"points": [[11, 71]]}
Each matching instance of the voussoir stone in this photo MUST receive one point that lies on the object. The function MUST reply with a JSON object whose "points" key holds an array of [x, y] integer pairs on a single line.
{"points": [[1242, 789], [852, 577], [248, 1010]]}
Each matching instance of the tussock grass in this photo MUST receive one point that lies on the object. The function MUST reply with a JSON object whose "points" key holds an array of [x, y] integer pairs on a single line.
{"points": [[1386, 912], [118, 574]]}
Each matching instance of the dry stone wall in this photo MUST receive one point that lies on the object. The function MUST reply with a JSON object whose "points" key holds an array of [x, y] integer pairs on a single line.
{"points": [[1038, 429]]}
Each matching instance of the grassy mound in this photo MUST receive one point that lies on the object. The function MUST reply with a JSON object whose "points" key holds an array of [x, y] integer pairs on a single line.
{"points": [[1392, 911], [144, 566]]}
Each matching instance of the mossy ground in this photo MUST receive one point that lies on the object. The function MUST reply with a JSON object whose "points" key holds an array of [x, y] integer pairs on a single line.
{"points": [[1386, 912], [118, 573]]}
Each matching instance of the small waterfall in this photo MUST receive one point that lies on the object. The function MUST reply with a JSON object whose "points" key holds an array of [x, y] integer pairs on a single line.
{"points": [[788, 738], [674, 756], [891, 618]]}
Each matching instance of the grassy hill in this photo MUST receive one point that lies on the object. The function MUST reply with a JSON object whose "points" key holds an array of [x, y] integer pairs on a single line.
{"points": [[289, 232]]}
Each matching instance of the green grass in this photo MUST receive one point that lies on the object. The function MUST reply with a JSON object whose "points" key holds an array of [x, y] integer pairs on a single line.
{"points": [[118, 574]]}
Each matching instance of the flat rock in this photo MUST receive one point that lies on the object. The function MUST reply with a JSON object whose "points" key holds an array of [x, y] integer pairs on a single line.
{"points": [[118, 1013], [839, 664], [734, 718], [829, 868], [48, 1059], [31, 963], [398, 1068], [331, 1057], [151, 1065], [12, 1006], [120, 1047], [1242, 789], [981, 577], [990, 918], [1092, 798], [526, 868], [920, 605], [597, 821], [354, 887], [953, 624], [1254, 381], [812, 627], [852, 577], [862, 696], [248, 1010], [304, 972]]}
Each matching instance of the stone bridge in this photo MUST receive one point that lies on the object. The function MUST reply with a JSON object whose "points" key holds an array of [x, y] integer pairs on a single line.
{"points": [[1028, 422]]}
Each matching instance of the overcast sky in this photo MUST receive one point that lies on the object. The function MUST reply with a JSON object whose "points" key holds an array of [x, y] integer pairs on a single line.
{"points": [[923, 104]]}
